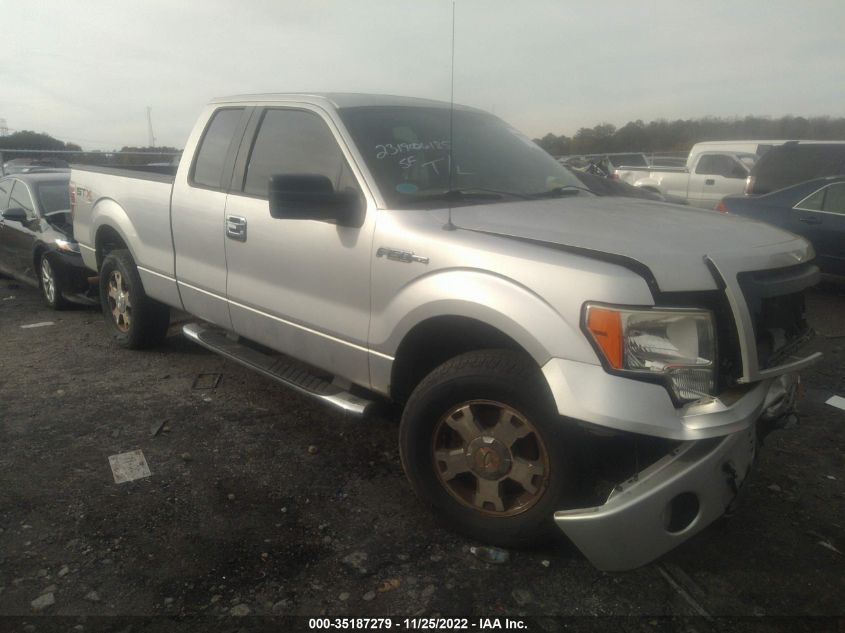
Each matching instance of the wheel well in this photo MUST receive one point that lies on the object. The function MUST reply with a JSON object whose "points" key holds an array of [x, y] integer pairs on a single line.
{"points": [[106, 241], [434, 341]]}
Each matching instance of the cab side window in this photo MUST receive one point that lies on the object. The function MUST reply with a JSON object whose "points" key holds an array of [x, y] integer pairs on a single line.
{"points": [[214, 148], [720, 165], [706, 166], [294, 142], [20, 198]]}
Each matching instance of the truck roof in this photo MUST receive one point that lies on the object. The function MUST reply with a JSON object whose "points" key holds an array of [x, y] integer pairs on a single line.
{"points": [[339, 100]]}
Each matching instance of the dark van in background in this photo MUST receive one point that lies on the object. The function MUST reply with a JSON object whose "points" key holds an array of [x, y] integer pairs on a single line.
{"points": [[795, 162]]}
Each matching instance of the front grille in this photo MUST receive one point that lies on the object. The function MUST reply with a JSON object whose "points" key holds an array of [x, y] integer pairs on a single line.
{"points": [[775, 300]]}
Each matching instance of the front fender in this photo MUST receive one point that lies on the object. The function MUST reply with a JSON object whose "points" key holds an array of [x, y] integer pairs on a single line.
{"points": [[536, 326]]}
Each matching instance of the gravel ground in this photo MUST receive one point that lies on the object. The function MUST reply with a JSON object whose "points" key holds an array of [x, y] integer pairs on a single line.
{"points": [[263, 503]]}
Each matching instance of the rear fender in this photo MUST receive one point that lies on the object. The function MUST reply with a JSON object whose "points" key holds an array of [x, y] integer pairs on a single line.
{"points": [[108, 213]]}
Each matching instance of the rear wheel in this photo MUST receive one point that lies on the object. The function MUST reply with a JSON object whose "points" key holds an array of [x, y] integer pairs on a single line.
{"points": [[136, 321], [51, 283], [482, 443]]}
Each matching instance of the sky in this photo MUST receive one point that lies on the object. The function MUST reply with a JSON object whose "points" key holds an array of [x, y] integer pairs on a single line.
{"points": [[85, 71]]}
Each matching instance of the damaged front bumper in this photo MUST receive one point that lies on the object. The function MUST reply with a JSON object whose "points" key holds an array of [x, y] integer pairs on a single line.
{"points": [[677, 496]]}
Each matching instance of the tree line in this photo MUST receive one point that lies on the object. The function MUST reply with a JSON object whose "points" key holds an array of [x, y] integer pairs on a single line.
{"points": [[681, 134], [45, 144]]}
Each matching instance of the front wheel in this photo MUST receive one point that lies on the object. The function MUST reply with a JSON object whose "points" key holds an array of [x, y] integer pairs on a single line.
{"points": [[51, 283], [136, 321], [482, 443]]}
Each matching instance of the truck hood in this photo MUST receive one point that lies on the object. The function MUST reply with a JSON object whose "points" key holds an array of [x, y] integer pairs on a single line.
{"points": [[671, 241]]}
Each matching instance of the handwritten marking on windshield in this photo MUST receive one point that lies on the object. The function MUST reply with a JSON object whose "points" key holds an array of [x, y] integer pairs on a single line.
{"points": [[433, 165], [392, 149]]}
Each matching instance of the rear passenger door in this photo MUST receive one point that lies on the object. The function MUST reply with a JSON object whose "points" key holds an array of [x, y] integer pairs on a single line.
{"points": [[197, 207], [299, 286], [714, 177], [820, 217]]}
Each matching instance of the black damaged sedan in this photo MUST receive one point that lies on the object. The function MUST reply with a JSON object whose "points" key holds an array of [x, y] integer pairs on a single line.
{"points": [[36, 238]]}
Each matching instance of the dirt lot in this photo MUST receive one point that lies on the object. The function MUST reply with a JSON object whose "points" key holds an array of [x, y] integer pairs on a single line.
{"points": [[263, 503]]}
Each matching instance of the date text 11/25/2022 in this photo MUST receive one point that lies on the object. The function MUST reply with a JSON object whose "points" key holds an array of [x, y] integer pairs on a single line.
{"points": [[417, 624]]}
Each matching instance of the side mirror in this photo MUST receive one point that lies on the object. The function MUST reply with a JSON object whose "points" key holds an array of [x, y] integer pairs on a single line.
{"points": [[312, 197], [15, 213]]}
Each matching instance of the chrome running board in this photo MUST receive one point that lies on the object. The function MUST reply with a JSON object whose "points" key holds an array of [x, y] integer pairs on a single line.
{"points": [[283, 369]]}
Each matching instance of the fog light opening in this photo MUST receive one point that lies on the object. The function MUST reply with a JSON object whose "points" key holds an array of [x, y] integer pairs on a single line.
{"points": [[681, 512]]}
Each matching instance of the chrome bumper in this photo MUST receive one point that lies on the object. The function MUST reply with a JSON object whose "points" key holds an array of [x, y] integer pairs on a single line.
{"points": [[636, 524], [677, 496]]}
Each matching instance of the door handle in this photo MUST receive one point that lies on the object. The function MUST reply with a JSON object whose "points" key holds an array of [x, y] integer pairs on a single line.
{"points": [[809, 219], [710, 181], [236, 228]]}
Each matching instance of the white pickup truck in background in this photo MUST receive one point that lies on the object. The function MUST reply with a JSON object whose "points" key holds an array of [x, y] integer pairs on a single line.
{"points": [[714, 169]]}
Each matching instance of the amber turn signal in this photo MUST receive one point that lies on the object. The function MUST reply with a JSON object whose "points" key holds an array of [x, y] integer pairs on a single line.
{"points": [[606, 327]]}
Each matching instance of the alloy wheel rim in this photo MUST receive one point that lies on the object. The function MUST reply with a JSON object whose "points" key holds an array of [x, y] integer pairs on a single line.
{"points": [[47, 281], [490, 458], [119, 300]]}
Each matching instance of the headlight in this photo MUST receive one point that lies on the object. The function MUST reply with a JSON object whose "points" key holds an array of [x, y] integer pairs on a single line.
{"points": [[68, 246], [676, 346]]}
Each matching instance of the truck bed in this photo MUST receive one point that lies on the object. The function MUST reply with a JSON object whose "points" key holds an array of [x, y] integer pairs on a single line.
{"points": [[159, 173], [111, 196]]}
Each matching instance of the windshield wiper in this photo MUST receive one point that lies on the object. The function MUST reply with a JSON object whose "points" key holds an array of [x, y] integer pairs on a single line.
{"points": [[474, 193], [562, 191]]}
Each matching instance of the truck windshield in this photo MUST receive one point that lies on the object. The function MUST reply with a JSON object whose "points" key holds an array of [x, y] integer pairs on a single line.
{"points": [[407, 150]]}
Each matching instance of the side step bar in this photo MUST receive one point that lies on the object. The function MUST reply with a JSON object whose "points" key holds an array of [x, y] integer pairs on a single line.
{"points": [[279, 368]]}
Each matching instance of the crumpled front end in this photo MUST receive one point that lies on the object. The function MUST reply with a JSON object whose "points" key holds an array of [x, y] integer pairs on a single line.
{"points": [[684, 491], [677, 496]]}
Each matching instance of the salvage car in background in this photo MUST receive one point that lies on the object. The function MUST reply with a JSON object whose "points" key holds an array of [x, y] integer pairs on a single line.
{"points": [[794, 162], [604, 164], [36, 237], [814, 209]]}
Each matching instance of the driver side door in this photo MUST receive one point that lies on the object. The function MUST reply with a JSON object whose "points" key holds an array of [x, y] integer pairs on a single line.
{"points": [[716, 176], [299, 286]]}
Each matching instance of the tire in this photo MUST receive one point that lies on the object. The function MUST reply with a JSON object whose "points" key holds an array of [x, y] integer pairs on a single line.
{"points": [[499, 389], [50, 281], [135, 320]]}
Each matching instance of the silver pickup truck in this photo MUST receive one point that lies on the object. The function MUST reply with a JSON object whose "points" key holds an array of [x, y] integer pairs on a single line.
{"points": [[712, 172], [601, 366]]}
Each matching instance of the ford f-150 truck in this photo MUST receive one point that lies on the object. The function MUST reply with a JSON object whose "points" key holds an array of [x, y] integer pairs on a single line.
{"points": [[600, 365]]}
